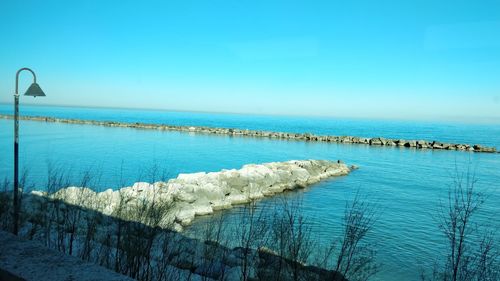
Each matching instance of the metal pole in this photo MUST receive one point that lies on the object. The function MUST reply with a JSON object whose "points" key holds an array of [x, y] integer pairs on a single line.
{"points": [[16, 150], [16, 162]]}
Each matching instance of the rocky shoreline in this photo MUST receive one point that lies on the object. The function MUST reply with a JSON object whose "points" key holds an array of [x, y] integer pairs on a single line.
{"points": [[108, 227], [375, 141], [197, 194]]}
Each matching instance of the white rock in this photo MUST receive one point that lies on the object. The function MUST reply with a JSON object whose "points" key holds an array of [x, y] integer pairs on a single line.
{"points": [[197, 194], [203, 210], [141, 186], [190, 178], [238, 199]]}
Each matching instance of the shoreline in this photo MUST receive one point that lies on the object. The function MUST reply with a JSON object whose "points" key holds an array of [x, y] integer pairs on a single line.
{"points": [[108, 225], [375, 141]]}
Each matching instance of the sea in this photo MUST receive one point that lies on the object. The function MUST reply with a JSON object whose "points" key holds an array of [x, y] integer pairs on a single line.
{"points": [[407, 187]]}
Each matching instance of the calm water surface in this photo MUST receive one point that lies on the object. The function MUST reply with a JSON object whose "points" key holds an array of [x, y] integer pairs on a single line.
{"points": [[485, 134], [407, 184]]}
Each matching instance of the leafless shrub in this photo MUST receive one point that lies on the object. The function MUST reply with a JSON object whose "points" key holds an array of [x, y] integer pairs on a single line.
{"points": [[5, 205], [356, 259], [213, 253], [250, 233], [291, 234], [168, 246], [136, 241], [11, 217], [471, 251], [90, 223]]}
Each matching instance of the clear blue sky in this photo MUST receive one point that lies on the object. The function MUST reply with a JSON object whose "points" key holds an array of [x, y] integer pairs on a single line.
{"points": [[377, 59]]}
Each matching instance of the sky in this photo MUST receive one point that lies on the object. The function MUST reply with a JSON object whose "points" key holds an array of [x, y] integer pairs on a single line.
{"points": [[412, 59]]}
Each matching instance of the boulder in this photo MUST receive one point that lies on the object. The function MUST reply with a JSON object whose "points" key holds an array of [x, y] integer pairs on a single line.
{"points": [[422, 144], [375, 141], [479, 148], [437, 145]]}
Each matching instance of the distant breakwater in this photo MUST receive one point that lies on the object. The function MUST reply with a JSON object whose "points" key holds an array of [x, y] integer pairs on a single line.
{"points": [[375, 141]]}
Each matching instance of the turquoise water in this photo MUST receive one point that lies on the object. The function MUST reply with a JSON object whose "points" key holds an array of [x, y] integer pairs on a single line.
{"points": [[485, 134], [406, 184]]}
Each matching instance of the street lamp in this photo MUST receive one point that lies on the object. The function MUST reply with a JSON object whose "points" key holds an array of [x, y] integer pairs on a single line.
{"points": [[34, 91]]}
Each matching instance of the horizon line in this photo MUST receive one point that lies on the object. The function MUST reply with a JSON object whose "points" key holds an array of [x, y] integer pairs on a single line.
{"points": [[459, 119]]}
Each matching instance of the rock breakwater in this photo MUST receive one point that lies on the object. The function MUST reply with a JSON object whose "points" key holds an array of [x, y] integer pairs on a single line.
{"points": [[179, 200], [375, 141]]}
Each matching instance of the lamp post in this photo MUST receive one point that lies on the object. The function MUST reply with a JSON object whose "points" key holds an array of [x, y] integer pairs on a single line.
{"points": [[34, 91]]}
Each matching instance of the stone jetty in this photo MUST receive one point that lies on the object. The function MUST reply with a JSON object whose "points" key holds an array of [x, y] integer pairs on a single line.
{"points": [[374, 141], [140, 225], [179, 200]]}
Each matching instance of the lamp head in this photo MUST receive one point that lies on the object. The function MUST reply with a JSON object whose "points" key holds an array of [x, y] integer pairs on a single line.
{"points": [[34, 91]]}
